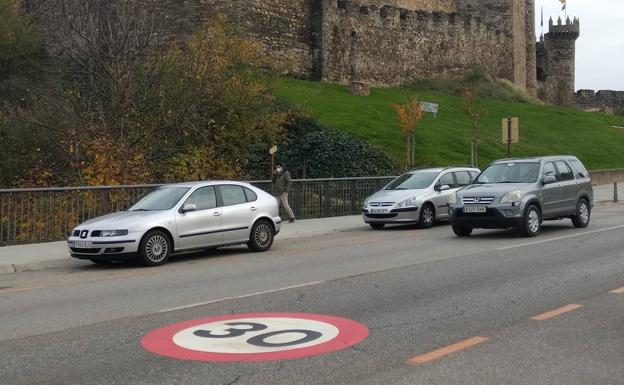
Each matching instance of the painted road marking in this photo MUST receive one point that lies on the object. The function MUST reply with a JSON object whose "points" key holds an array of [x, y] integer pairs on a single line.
{"points": [[556, 313], [447, 350], [238, 297], [255, 337], [618, 291], [562, 238]]}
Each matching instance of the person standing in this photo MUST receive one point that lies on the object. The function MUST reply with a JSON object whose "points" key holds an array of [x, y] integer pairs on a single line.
{"points": [[283, 186]]}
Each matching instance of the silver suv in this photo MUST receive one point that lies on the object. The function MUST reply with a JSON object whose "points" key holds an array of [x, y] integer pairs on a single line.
{"points": [[523, 193], [419, 196]]}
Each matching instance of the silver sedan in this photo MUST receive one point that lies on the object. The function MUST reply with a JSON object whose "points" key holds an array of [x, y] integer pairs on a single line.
{"points": [[179, 218]]}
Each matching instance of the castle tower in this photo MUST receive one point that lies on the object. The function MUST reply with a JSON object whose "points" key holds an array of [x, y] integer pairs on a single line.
{"points": [[556, 62]]}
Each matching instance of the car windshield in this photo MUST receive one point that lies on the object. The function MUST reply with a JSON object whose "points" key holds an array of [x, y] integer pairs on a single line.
{"points": [[162, 199], [413, 181], [522, 172]]}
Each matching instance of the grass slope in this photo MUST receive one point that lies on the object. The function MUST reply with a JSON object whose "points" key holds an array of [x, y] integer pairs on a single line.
{"points": [[544, 130]]}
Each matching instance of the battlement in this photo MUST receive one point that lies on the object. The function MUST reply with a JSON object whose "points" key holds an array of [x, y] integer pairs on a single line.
{"points": [[604, 100], [571, 30], [392, 16]]}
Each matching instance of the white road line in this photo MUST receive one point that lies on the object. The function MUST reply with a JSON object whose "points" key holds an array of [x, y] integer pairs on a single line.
{"points": [[238, 297], [561, 238]]}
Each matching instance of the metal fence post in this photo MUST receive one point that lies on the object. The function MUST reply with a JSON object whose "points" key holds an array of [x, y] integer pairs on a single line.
{"points": [[615, 192], [326, 207]]}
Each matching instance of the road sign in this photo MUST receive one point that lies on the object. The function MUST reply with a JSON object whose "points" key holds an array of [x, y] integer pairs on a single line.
{"points": [[255, 337], [429, 107], [273, 150], [513, 131]]}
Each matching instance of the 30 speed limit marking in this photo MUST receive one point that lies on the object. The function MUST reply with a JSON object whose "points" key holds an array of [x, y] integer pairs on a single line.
{"points": [[255, 337]]}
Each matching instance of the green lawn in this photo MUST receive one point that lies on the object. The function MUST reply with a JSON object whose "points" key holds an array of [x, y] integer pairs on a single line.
{"points": [[543, 130]]}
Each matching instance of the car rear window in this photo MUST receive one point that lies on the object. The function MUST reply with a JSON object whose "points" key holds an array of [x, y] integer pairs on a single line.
{"points": [[232, 195], [579, 169]]}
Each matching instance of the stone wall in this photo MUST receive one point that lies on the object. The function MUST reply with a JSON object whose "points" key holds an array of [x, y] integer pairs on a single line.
{"points": [[448, 6], [605, 101], [390, 45]]}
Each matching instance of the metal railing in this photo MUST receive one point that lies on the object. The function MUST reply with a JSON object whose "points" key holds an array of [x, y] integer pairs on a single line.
{"points": [[49, 214]]}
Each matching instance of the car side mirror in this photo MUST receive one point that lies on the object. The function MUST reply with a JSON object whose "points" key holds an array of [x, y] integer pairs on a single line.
{"points": [[549, 179], [443, 188], [188, 207]]}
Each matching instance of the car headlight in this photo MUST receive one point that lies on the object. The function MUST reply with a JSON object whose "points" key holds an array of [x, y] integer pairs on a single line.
{"points": [[113, 233], [453, 199], [411, 202], [512, 197], [365, 204]]}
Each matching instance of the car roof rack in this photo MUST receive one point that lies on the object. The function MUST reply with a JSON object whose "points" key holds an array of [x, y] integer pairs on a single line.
{"points": [[442, 168]]}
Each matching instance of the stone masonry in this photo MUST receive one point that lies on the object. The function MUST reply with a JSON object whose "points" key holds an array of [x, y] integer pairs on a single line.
{"points": [[390, 42]]}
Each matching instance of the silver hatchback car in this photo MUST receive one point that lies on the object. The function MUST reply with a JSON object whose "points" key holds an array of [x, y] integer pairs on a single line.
{"points": [[418, 197], [179, 218]]}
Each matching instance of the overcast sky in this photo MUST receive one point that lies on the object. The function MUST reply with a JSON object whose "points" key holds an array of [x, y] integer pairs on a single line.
{"points": [[600, 49]]}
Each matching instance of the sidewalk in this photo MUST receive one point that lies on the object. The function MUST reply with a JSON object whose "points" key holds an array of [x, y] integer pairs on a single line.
{"points": [[41, 256]]}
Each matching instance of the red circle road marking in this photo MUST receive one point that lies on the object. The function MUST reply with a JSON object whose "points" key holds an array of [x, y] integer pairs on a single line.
{"points": [[161, 342]]}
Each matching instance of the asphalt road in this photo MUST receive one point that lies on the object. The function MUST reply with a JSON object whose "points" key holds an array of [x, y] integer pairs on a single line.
{"points": [[418, 291]]}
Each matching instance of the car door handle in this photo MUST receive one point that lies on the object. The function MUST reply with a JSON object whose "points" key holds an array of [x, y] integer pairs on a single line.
{"points": [[217, 214], [254, 208]]}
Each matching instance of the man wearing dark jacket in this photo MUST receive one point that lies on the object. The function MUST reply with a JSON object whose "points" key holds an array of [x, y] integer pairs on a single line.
{"points": [[283, 186]]}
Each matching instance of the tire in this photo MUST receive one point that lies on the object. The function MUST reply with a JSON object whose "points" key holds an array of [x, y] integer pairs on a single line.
{"points": [[155, 248], [462, 231], [426, 218], [531, 222], [377, 226], [261, 237], [581, 218]]}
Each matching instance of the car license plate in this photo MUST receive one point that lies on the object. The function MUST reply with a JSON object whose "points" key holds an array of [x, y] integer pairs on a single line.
{"points": [[379, 211], [81, 244], [475, 209]]}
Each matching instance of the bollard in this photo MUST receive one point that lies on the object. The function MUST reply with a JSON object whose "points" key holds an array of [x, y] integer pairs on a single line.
{"points": [[615, 193]]}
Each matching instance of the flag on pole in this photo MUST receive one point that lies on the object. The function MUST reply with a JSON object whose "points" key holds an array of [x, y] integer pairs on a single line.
{"points": [[564, 3]]}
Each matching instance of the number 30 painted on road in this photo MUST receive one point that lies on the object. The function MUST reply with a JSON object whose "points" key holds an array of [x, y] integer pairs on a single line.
{"points": [[255, 337]]}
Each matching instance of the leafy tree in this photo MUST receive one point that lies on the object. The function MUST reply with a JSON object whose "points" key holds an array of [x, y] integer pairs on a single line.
{"points": [[410, 114]]}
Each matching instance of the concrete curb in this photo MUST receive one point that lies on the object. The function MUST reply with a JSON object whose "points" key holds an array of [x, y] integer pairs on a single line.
{"points": [[300, 229]]}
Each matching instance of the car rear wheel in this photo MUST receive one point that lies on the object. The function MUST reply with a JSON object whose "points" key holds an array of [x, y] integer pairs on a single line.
{"points": [[532, 222], [262, 235], [377, 226], [154, 249], [583, 215], [427, 216], [462, 231]]}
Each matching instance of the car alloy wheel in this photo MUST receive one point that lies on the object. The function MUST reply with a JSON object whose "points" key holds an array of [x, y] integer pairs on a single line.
{"points": [[154, 249], [427, 216], [262, 235], [583, 215], [532, 222]]}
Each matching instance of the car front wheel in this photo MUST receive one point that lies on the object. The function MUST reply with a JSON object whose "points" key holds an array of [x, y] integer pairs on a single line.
{"points": [[262, 235], [154, 249], [462, 231], [427, 216], [532, 222], [582, 216]]}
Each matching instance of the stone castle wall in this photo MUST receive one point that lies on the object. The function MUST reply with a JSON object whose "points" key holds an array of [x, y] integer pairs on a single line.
{"points": [[390, 45], [382, 42], [448, 6], [605, 100]]}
